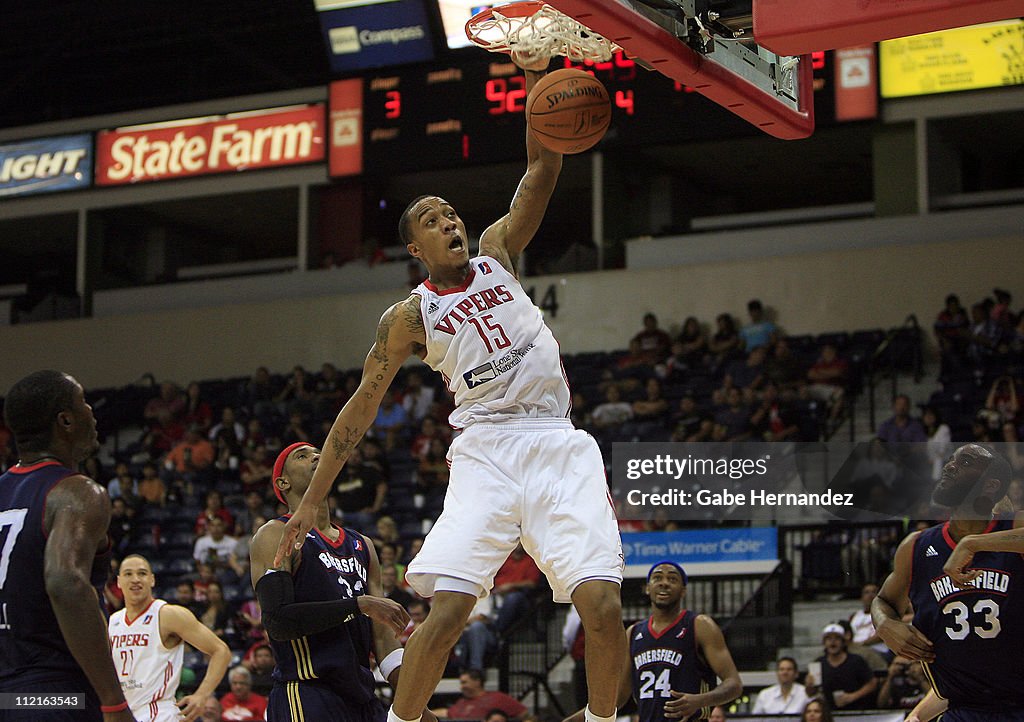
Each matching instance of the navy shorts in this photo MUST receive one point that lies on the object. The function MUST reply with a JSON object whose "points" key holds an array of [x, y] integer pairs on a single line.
{"points": [[974, 714], [310, 702], [91, 713]]}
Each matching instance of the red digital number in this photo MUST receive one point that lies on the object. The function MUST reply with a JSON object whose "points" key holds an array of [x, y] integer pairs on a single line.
{"points": [[508, 95], [818, 60], [624, 100], [393, 105], [619, 68]]}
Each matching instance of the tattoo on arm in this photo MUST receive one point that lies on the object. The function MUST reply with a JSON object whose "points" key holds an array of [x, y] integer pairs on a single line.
{"points": [[342, 442], [414, 325]]}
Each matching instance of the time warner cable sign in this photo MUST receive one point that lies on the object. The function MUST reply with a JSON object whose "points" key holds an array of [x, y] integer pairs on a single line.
{"points": [[44, 165], [376, 35]]}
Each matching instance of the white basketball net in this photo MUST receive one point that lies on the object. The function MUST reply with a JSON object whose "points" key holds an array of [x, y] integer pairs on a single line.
{"points": [[547, 32]]}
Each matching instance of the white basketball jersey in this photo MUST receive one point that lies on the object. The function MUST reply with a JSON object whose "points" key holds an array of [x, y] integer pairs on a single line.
{"points": [[149, 672], [491, 344]]}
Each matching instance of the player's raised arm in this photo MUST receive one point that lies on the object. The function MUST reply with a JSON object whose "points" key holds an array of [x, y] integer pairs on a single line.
{"points": [[181, 623], [893, 601], [958, 566], [400, 334], [77, 517], [505, 239]]}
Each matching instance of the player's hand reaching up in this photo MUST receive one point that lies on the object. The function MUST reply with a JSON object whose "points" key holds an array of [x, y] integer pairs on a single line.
{"points": [[537, 62], [384, 611], [906, 641], [957, 566]]}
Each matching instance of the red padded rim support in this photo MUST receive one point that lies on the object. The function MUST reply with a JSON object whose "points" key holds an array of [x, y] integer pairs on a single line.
{"points": [[791, 28], [644, 39]]}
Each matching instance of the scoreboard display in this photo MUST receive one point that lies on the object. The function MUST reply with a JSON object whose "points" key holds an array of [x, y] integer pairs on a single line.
{"points": [[448, 115]]}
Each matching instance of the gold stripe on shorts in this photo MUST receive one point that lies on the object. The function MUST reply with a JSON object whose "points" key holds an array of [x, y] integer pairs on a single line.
{"points": [[295, 702]]}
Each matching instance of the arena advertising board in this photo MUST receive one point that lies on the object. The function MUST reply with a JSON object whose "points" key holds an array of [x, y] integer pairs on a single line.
{"points": [[979, 56], [215, 144], [44, 165], [703, 552], [372, 36]]}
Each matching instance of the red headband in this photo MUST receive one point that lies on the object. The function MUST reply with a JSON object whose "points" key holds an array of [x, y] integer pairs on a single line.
{"points": [[279, 466]]}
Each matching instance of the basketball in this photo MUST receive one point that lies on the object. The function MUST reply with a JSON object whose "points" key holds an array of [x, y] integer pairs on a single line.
{"points": [[568, 111]]}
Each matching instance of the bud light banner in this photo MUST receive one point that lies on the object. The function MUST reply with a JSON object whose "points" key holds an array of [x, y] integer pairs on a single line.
{"points": [[703, 552], [391, 33], [219, 144], [44, 165]]}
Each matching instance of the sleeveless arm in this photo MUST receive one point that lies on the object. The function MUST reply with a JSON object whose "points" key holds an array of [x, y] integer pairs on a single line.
{"points": [[77, 517], [893, 601], [1008, 540], [181, 623], [711, 644], [400, 334], [505, 239]]}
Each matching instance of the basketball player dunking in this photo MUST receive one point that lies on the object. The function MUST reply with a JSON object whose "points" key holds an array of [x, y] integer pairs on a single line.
{"points": [[965, 582], [54, 553], [317, 606], [675, 656], [147, 643], [519, 470]]}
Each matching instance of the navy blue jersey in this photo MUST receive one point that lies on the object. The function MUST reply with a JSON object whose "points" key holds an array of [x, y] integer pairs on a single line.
{"points": [[978, 631], [31, 645], [667, 661], [337, 657]]}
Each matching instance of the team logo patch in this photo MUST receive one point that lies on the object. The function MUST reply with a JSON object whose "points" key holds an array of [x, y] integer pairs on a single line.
{"points": [[682, 633], [639, 635], [930, 552], [480, 375], [357, 544], [147, 619]]}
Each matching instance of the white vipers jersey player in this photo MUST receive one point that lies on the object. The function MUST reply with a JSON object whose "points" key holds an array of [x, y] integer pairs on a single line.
{"points": [[149, 672], [491, 344]]}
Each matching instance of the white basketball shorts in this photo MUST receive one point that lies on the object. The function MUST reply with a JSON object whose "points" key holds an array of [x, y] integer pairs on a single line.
{"points": [[536, 480]]}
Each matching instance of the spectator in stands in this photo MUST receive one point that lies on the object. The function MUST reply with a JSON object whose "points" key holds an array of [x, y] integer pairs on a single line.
{"points": [[259, 394], [389, 583], [296, 430], [784, 370], [217, 613], [496, 715], [786, 697], [241, 703], [215, 547], [124, 484], [1000, 312], [214, 509], [122, 525], [297, 394], [905, 685], [691, 422], [650, 414], [985, 336], [609, 416], [862, 625], [952, 333], [329, 393], [192, 456], [359, 492], [774, 419], [475, 702], [1015, 456], [249, 622], [418, 610], [725, 344], [655, 344], [261, 667], [212, 710], [197, 411], [876, 661], [387, 533], [828, 377], [748, 373], [939, 439], [734, 417], [514, 588], [184, 595], [391, 422], [227, 454], [113, 595], [901, 427], [816, 711], [432, 472], [152, 489], [204, 578], [417, 398], [167, 408], [1001, 404], [479, 640], [255, 508], [421, 444], [718, 714], [847, 682], [254, 436], [229, 424], [692, 344], [255, 471], [760, 331]]}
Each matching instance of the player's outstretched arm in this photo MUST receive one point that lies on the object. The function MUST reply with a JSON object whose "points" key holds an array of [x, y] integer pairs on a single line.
{"points": [[959, 562], [893, 601], [505, 239], [400, 334], [712, 644], [77, 517], [928, 708], [625, 682], [181, 623]]}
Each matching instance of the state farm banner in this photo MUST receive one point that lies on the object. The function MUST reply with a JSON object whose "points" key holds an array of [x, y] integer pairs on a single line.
{"points": [[43, 165], [218, 144]]}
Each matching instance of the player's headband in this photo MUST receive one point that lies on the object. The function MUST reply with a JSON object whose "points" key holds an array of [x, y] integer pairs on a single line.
{"points": [[279, 466], [670, 563]]}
